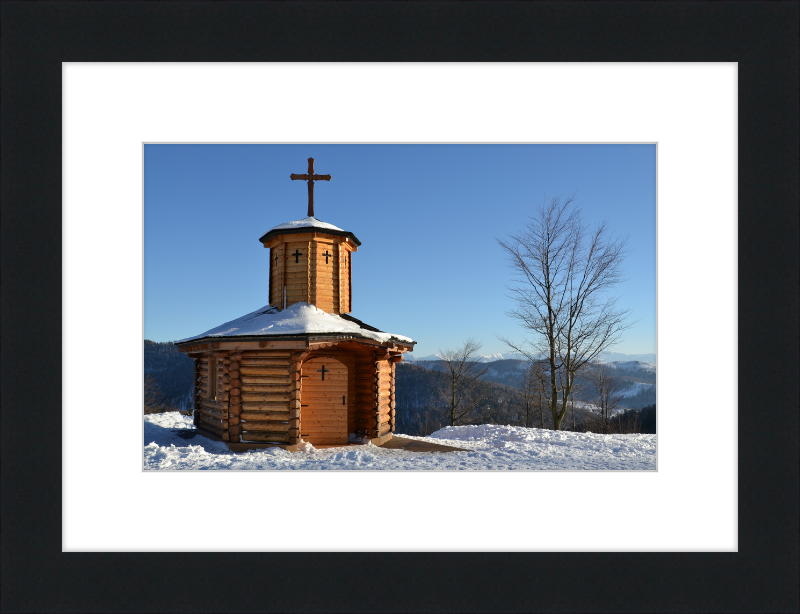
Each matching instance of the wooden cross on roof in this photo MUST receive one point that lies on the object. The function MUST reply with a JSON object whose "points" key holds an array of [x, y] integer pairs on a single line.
{"points": [[311, 178]]}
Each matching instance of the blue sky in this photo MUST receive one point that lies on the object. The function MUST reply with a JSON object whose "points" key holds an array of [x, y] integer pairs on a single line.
{"points": [[427, 216]]}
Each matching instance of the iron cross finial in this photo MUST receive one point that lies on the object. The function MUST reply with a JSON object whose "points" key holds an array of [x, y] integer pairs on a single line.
{"points": [[311, 178]]}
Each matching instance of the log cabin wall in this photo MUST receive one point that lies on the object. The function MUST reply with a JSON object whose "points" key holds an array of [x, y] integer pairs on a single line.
{"points": [[224, 392], [196, 389], [311, 267], [384, 396], [255, 395], [266, 387], [364, 386], [212, 414], [234, 384], [201, 385], [392, 397]]}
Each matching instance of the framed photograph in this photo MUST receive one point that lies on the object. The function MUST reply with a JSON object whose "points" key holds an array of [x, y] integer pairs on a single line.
{"points": [[297, 369], [86, 85]]}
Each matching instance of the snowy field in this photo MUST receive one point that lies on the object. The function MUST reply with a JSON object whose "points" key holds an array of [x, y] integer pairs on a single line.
{"points": [[171, 442]]}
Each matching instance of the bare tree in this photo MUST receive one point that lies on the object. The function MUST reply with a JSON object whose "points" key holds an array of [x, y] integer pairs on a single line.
{"points": [[429, 421], [534, 390], [530, 386], [464, 392], [154, 401], [607, 393], [577, 387], [563, 272]]}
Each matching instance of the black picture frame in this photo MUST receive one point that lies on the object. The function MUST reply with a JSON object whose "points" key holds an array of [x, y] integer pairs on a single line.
{"points": [[761, 37]]}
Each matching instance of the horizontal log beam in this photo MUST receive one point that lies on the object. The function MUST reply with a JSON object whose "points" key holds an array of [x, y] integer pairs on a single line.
{"points": [[267, 370], [267, 379], [268, 354], [264, 397], [263, 406], [214, 418], [266, 437], [265, 415], [261, 362], [271, 426], [216, 423], [211, 429], [211, 405], [271, 388]]}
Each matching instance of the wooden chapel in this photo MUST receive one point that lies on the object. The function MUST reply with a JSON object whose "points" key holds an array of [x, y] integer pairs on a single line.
{"points": [[300, 369]]}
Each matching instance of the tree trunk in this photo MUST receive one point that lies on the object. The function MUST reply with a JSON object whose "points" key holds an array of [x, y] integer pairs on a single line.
{"points": [[559, 416], [541, 411], [554, 390], [557, 420], [453, 406]]}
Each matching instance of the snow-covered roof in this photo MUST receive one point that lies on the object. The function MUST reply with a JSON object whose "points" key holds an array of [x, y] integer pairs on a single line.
{"points": [[306, 222], [297, 319], [304, 225]]}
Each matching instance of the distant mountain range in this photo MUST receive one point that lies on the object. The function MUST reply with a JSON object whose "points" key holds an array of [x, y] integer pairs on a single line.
{"points": [[482, 358], [604, 357], [636, 380]]}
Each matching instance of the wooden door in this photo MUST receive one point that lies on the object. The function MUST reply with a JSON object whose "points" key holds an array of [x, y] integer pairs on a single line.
{"points": [[323, 401]]}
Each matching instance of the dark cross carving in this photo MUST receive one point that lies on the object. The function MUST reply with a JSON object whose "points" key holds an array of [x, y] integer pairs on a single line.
{"points": [[297, 253], [276, 258], [311, 178], [323, 371], [327, 255]]}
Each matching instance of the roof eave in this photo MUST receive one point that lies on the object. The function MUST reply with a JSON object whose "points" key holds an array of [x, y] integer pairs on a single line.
{"points": [[304, 229], [300, 336]]}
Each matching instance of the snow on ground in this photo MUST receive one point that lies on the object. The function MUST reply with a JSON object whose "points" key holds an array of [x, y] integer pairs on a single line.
{"points": [[171, 442], [297, 319]]}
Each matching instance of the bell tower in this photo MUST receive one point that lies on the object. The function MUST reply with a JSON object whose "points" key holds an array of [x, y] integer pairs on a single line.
{"points": [[311, 260]]}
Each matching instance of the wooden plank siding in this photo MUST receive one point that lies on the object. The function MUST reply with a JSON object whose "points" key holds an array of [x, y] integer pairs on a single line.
{"points": [[296, 271], [308, 277], [325, 276], [323, 397], [344, 279], [276, 267]]}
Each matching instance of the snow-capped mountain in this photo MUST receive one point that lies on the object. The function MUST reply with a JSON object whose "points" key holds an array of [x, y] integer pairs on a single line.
{"points": [[620, 357], [640, 361], [482, 358], [632, 365]]}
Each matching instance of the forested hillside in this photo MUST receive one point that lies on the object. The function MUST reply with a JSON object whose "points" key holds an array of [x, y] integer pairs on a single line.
{"points": [[171, 371], [636, 379], [422, 401]]}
